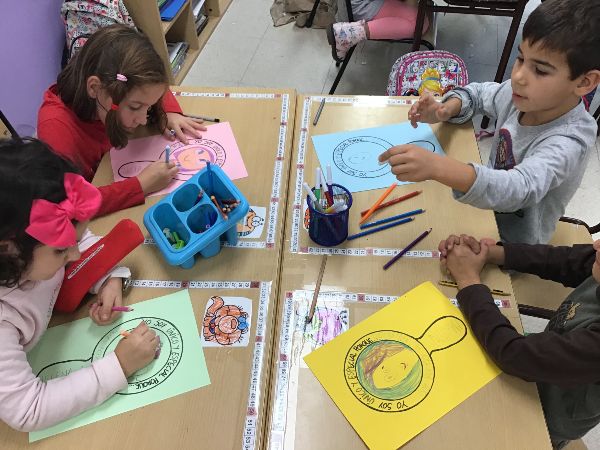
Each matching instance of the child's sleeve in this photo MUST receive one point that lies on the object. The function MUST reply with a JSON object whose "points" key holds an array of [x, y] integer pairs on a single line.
{"points": [[569, 266], [566, 359], [546, 166], [478, 98], [170, 104], [27, 403], [120, 195]]}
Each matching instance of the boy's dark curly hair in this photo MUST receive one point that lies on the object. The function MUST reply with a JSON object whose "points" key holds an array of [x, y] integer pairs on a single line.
{"points": [[570, 27], [29, 170]]}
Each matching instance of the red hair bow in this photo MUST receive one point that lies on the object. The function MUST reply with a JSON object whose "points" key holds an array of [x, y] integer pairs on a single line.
{"points": [[51, 223]]}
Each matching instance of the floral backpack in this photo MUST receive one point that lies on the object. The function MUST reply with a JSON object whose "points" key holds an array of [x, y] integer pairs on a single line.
{"points": [[434, 71], [83, 17]]}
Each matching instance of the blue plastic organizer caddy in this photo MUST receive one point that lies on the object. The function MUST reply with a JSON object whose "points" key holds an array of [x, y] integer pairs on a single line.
{"points": [[181, 211]]}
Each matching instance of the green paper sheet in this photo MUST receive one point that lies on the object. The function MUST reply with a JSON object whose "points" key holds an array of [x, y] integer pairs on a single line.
{"points": [[179, 368]]}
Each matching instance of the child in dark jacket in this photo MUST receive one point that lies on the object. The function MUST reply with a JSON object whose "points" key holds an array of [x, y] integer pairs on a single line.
{"points": [[564, 360]]}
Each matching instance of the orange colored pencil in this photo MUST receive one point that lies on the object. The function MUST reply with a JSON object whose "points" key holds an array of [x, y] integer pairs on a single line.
{"points": [[393, 202], [378, 202]]}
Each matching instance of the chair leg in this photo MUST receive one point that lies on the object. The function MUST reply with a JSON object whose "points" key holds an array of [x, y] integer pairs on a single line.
{"points": [[510, 41], [341, 71], [419, 25], [312, 14]]}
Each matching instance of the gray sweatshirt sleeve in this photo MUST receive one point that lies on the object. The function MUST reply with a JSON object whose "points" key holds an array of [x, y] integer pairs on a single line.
{"points": [[476, 98], [546, 166]]}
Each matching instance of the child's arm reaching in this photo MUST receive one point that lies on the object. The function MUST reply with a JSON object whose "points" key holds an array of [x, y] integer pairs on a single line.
{"points": [[27, 403], [478, 98]]}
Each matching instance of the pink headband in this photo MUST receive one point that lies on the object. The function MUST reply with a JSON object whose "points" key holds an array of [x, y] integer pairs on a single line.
{"points": [[50, 223]]}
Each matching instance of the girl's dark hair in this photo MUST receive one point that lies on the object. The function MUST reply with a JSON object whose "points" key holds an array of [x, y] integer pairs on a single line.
{"points": [[569, 27], [112, 50], [29, 170]]}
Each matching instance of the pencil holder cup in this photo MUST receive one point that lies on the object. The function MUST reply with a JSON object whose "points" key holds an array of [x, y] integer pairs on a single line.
{"points": [[330, 229], [187, 222]]}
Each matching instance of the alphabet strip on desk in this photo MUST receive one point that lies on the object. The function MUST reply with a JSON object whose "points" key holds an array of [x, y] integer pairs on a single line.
{"points": [[302, 148], [258, 355], [295, 305], [271, 223]]}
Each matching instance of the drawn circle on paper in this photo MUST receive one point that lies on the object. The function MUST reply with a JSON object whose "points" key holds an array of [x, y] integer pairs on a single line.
{"points": [[357, 156], [389, 371], [159, 370], [194, 155]]}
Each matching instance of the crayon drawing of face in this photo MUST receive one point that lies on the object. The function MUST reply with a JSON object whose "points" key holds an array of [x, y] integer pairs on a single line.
{"points": [[389, 369], [193, 157]]}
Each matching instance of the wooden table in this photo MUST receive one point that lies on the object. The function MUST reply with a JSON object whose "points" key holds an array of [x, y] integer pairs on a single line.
{"points": [[506, 413], [230, 412]]}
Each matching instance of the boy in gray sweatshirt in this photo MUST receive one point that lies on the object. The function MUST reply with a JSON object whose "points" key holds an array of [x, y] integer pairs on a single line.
{"points": [[543, 132]]}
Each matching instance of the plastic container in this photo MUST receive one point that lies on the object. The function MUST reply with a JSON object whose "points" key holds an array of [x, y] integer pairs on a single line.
{"points": [[195, 220], [330, 229]]}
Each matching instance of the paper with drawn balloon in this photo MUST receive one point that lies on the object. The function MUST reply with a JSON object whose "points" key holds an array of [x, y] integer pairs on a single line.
{"points": [[353, 154], [217, 146], [401, 369], [179, 368]]}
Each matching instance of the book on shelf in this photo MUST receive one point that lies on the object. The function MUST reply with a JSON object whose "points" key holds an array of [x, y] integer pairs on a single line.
{"points": [[197, 8], [177, 52], [201, 23]]}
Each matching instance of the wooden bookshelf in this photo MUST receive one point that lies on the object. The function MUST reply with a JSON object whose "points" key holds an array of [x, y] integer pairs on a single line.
{"points": [[182, 28]]}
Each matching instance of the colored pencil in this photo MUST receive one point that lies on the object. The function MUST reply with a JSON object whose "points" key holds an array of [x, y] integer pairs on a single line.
{"points": [[381, 228], [121, 308], [329, 182], [206, 119], [319, 112], [214, 200], [407, 248], [378, 202], [167, 153], [455, 285], [313, 304], [391, 219], [393, 202], [125, 333]]}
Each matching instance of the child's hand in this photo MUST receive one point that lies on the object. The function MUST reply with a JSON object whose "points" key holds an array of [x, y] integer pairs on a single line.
{"points": [[157, 176], [428, 110], [412, 163], [464, 264], [109, 295], [181, 124], [138, 349]]}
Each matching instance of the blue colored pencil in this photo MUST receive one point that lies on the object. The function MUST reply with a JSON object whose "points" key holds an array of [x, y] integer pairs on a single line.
{"points": [[384, 227], [391, 219], [210, 178]]}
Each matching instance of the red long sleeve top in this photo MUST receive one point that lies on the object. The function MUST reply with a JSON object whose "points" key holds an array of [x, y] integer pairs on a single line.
{"points": [[85, 143]]}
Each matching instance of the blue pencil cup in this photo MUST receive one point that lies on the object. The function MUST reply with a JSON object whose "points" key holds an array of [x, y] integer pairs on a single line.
{"points": [[196, 220], [330, 229]]}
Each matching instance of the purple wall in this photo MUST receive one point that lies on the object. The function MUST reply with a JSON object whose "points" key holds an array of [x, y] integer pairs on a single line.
{"points": [[32, 37]]}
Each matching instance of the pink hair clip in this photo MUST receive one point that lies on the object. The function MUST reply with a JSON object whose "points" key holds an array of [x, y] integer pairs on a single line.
{"points": [[121, 77]]}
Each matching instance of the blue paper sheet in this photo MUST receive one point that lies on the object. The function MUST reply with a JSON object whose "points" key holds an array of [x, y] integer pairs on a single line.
{"points": [[353, 154]]}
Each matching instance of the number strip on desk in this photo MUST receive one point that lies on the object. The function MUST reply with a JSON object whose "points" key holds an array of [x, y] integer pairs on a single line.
{"points": [[297, 210], [271, 225], [295, 306], [258, 355]]}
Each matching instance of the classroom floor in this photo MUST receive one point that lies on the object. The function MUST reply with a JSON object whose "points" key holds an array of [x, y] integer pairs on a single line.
{"points": [[247, 50]]}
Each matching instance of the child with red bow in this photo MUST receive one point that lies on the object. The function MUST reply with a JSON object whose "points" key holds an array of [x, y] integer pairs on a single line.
{"points": [[45, 207]]}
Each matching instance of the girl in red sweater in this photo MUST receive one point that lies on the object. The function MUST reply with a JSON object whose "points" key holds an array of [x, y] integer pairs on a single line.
{"points": [[115, 83]]}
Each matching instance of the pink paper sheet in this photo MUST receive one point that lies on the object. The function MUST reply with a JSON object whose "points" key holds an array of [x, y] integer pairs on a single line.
{"points": [[216, 146]]}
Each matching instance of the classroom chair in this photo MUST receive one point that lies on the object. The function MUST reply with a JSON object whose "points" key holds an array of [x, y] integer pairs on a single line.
{"points": [[507, 8], [541, 298], [428, 40]]}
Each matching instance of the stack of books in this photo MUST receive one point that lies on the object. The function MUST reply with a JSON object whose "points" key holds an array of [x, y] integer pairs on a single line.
{"points": [[200, 18], [177, 52]]}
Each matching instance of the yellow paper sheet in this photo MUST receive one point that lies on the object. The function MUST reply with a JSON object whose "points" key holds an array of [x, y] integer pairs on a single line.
{"points": [[398, 371]]}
